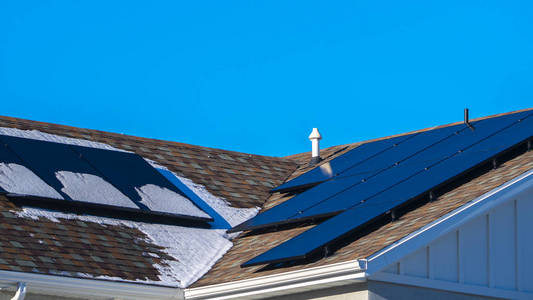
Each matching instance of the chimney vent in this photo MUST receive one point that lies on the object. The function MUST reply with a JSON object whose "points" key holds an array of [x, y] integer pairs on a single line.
{"points": [[315, 138]]}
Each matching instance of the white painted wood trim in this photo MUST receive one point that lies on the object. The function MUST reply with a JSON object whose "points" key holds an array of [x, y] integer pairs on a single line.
{"points": [[284, 283], [90, 288]]}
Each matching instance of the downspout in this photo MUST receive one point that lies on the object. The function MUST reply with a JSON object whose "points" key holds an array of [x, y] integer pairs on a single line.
{"points": [[21, 291]]}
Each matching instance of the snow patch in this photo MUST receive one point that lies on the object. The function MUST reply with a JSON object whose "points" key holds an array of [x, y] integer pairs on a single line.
{"points": [[233, 215], [37, 135], [161, 199], [18, 179], [195, 250], [92, 188]]}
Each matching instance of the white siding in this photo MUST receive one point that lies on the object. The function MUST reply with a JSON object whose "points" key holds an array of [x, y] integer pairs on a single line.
{"points": [[524, 209], [415, 264], [473, 241], [502, 247], [443, 258], [493, 251]]}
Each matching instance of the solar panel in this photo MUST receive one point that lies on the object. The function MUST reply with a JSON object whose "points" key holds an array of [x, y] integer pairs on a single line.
{"points": [[358, 174], [376, 174], [7, 157], [139, 181], [513, 129], [96, 176], [47, 159], [218, 221], [338, 165], [465, 140]]}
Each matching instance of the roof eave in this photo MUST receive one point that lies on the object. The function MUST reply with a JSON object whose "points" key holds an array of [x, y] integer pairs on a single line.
{"points": [[309, 279], [90, 288]]}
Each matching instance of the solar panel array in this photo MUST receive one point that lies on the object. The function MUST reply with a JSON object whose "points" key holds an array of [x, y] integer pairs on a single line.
{"points": [[378, 177], [123, 173]]}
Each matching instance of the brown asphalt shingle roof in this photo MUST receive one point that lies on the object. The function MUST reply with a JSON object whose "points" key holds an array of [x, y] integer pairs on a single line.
{"points": [[247, 246], [74, 247], [71, 247]]}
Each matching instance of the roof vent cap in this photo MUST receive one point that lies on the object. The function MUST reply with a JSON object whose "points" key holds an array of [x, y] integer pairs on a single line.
{"points": [[315, 138]]}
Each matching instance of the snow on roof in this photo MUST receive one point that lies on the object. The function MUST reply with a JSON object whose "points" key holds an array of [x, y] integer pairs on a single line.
{"points": [[38, 135], [232, 215], [161, 199], [17, 179], [195, 250], [92, 188], [88, 187]]}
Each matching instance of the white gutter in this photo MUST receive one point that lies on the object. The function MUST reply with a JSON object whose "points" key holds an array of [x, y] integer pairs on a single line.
{"points": [[284, 283], [88, 288]]}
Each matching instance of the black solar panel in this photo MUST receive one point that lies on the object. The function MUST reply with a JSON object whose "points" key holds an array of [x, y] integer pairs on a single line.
{"points": [[337, 166], [7, 156], [357, 183], [465, 140], [128, 171], [446, 160], [79, 173], [45, 159], [357, 175]]}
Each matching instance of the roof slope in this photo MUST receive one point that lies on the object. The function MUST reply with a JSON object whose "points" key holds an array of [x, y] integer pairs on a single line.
{"points": [[57, 243], [252, 244]]}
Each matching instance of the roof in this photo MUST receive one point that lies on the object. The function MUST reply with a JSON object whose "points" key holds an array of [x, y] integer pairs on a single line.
{"points": [[56, 243], [251, 244]]}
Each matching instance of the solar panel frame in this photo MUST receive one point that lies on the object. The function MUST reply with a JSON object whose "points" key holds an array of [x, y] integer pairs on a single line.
{"points": [[111, 211]]}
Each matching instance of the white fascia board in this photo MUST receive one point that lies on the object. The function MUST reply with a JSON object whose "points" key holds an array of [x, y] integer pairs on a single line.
{"points": [[451, 221], [284, 283], [88, 288]]}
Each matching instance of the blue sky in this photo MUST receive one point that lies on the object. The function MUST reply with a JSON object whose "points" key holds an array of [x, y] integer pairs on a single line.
{"points": [[256, 76]]}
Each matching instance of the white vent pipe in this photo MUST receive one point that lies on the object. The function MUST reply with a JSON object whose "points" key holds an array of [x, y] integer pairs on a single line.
{"points": [[315, 138]]}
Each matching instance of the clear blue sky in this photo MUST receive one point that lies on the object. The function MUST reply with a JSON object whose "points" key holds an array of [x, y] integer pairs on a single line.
{"points": [[256, 76]]}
